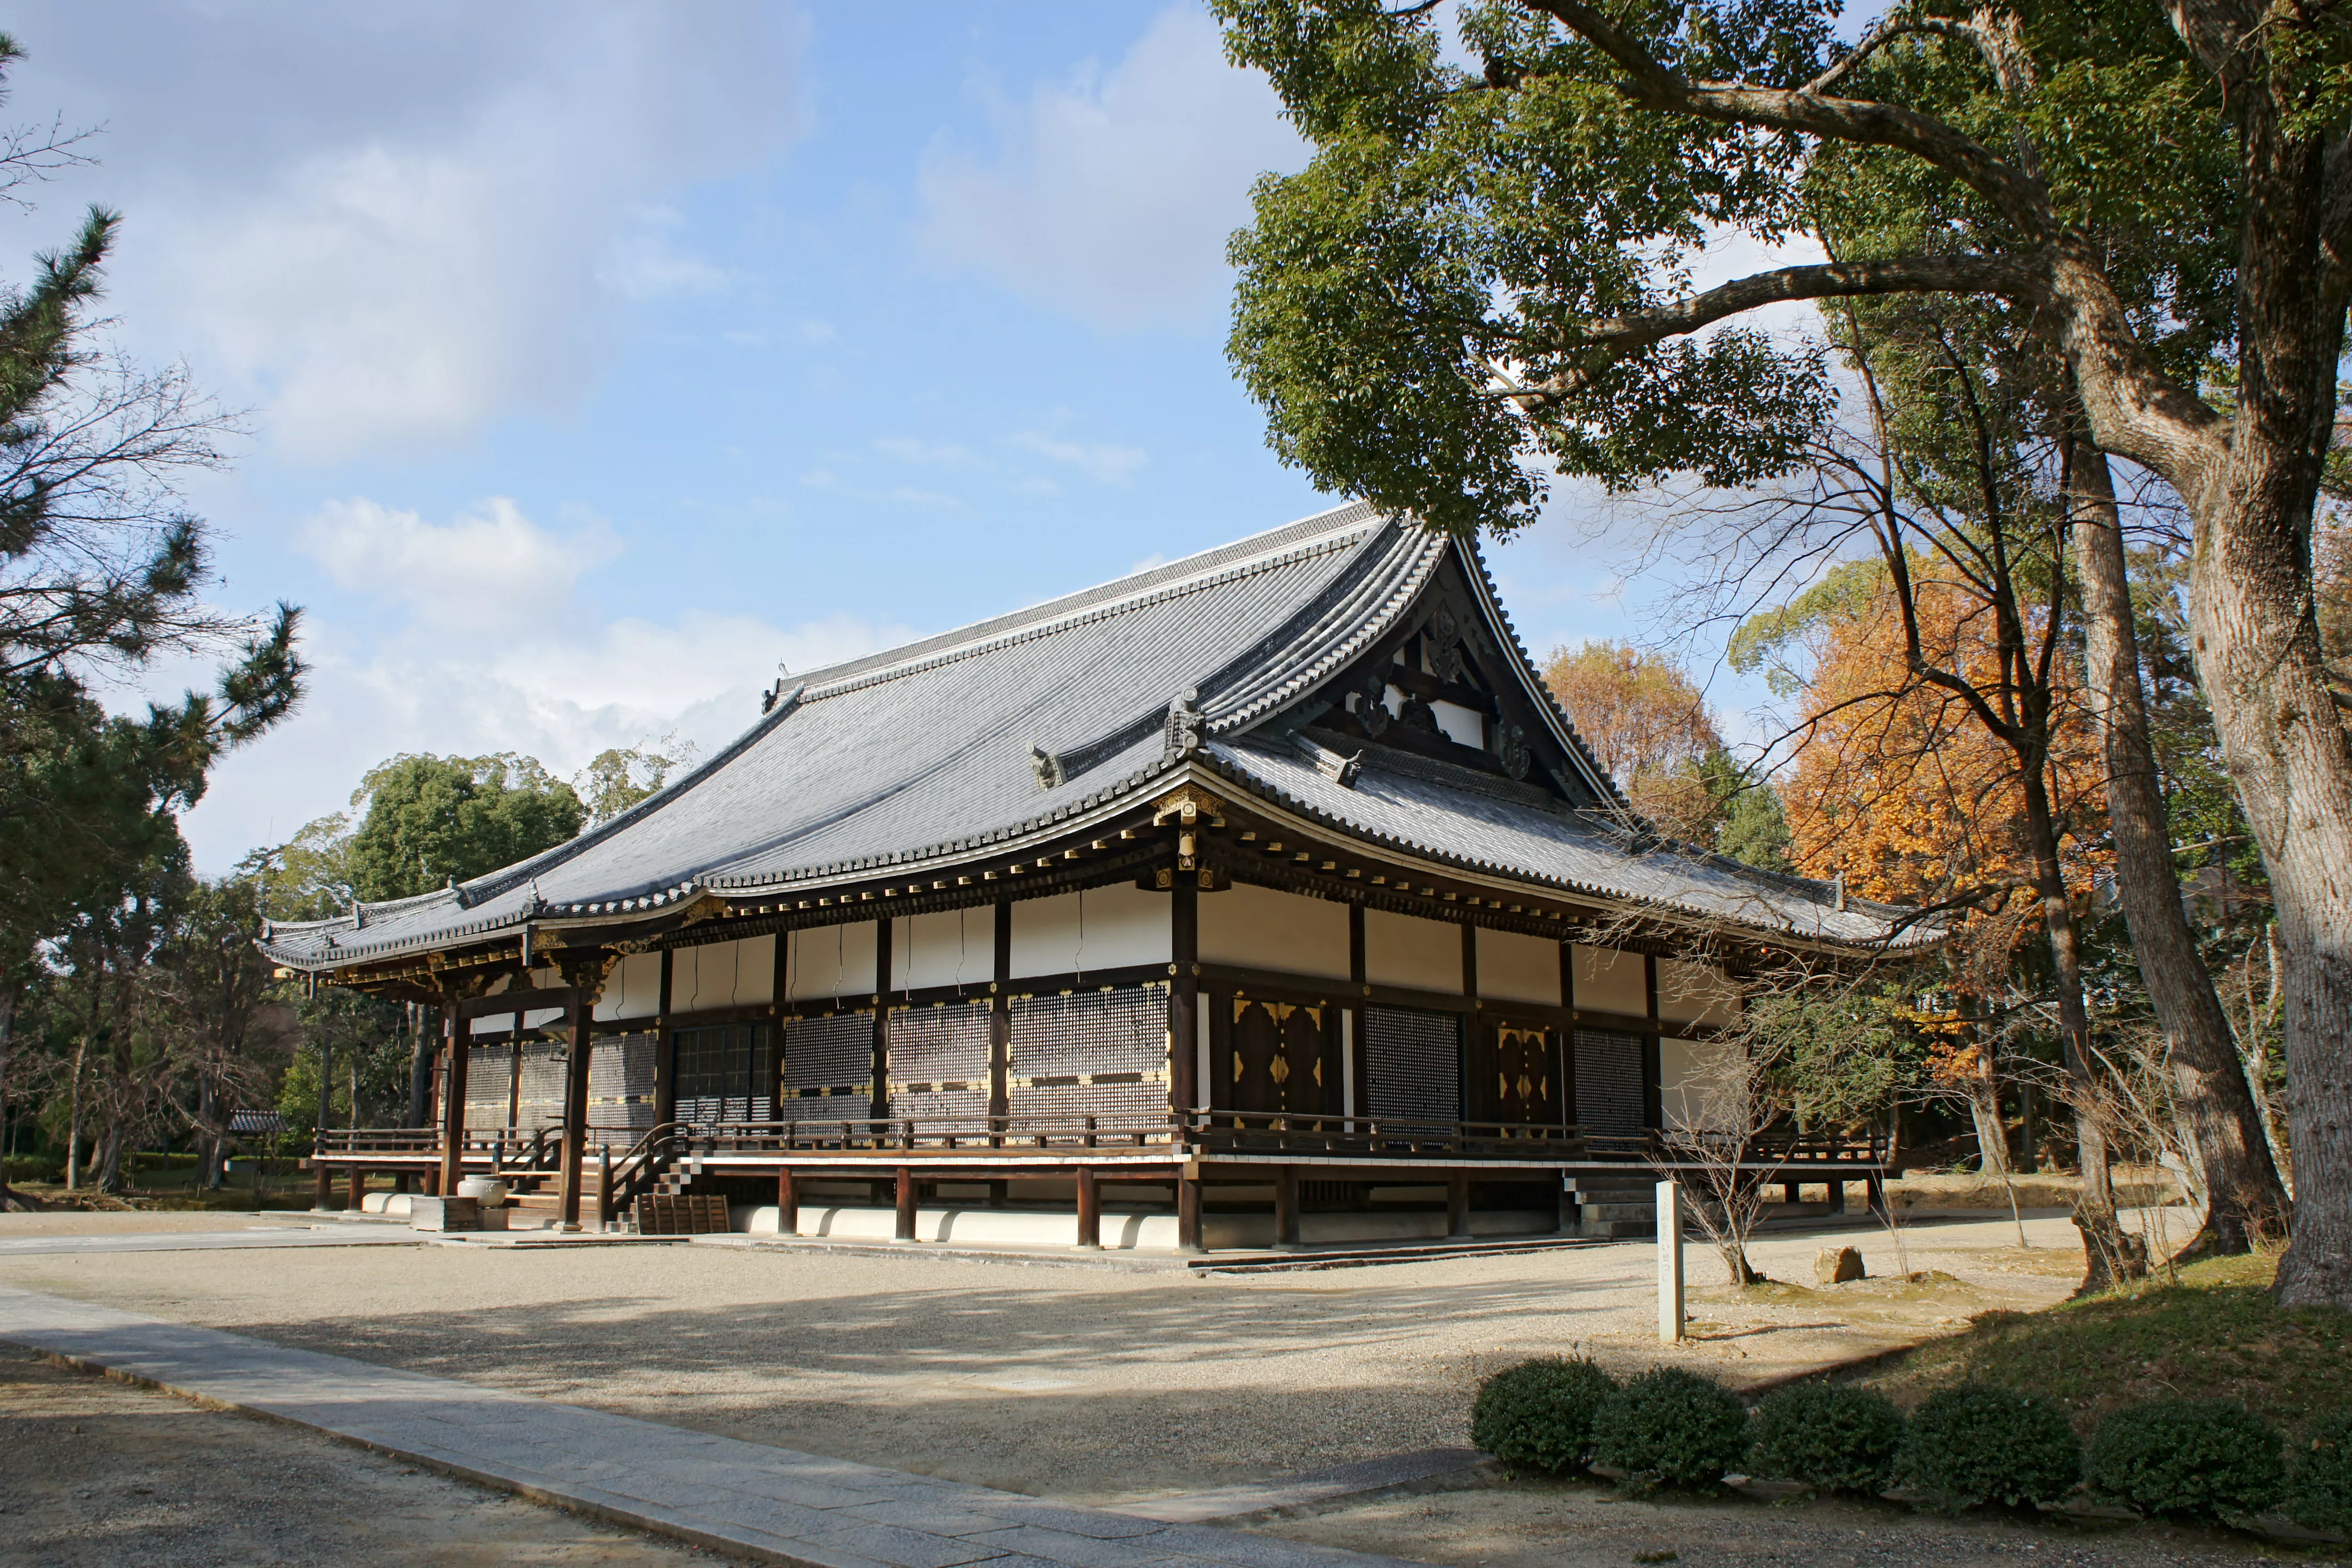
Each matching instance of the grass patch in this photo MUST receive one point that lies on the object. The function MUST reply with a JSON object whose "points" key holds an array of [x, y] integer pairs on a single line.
{"points": [[2216, 1333]]}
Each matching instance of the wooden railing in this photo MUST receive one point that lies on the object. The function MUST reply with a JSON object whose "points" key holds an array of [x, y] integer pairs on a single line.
{"points": [[636, 1156]]}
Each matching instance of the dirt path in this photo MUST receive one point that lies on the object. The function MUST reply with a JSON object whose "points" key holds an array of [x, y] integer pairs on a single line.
{"points": [[102, 1475], [1075, 1383]]}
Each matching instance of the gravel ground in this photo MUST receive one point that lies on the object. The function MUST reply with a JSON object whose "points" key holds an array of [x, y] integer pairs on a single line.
{"points": [[102, 1475], [1540, 1525], [1084, 1384]]}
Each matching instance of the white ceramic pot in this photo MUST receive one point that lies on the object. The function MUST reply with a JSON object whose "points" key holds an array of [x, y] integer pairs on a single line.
{"points": [[491, 1192]]}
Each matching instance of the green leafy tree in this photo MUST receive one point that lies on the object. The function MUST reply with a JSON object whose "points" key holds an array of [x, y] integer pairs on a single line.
{"points": [[1484, 276], [618, 778], [427, 821]]}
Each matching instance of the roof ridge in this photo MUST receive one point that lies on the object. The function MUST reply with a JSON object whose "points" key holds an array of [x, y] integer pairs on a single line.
{"points": [[1201, 569]]}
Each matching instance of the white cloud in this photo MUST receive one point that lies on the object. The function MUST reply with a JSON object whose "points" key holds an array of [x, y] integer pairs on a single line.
{"points": [[908, 449], [1112, 193], [416, 221], [1099, 460], [496, 651], [476, 567]]}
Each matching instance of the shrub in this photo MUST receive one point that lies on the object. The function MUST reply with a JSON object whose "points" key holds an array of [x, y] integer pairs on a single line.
{"points": [[1539, 1413], [1834, 1437], [2319, 1493], [36, 1168], [1684, 1429], [1978, 1444], [2188, 1459]]}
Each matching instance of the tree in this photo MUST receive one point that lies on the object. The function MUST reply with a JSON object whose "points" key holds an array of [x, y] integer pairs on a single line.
{"points": [[1487, 269], [427, 822], [1647, 726], [618, 778]]}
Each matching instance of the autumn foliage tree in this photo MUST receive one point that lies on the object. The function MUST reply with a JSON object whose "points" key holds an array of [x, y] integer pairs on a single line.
{"points": [[1647, 724]]}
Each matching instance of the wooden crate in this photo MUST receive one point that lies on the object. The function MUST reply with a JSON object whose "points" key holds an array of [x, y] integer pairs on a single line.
{"points": [[684, 1214]]}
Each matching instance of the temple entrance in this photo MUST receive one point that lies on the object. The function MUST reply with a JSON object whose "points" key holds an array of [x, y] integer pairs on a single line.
{"points": [[1515, 1076], [725, 1072], [1283, 1057]]}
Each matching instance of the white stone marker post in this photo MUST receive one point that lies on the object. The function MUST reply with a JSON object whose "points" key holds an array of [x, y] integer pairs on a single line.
{"points": [[1670, 1262]]}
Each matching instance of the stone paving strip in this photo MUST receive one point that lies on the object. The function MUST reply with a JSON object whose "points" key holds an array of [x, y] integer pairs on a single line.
{"points": [[773, 1505], [208, 1240]]}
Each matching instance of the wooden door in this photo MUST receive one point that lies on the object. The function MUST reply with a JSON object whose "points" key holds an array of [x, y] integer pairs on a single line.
{"points": [[1283, 1057], [1521, 1079]]}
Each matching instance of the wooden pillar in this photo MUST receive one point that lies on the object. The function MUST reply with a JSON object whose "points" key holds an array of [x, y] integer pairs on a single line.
{"points": [[1359, 1086], [880, 1108], [906, 1204], [1653, 1108], [1837, 1195], [576, 1108], [322, 1180], [1473, 1022], [1286, 1205], [453, 1098], [666, 1051], [514, 1075], [1457, 1203], [1571, 1216], [1791, 1192], [1185, 996], [1874, 1193], [1000, 1020], [1567, 1034], [1187, 1213], [354, 1189], [788, 1203], [1089, 1208]]}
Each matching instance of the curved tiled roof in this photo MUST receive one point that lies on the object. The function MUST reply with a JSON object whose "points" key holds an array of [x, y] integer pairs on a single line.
{"points": [[933, 751]]}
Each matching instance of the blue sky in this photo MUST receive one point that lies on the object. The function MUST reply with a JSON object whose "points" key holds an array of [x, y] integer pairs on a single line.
{"points": [[600, 357]]}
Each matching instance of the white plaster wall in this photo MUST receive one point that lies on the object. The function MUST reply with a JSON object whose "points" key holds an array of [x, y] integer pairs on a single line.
{"points": [[1695, 993], [1690, 1074], [633, 988], [1113, 928], [1466, 725], [1266, 928], [828, 961], [958, 948], [1515, 967], [723, 974], [1611, 982], [1407, 951]]}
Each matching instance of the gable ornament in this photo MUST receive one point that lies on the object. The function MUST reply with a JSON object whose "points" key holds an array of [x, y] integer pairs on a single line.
{"points": [[1182, 736]]}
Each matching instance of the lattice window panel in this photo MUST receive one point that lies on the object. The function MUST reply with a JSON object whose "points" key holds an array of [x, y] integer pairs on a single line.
{"points": [[726, 1073], [939, 1062], [1102, 1054], [828, 1068], [489, 1082], [624, 1082], [1609, 1097], [1412, 1064], [540, 1101]]}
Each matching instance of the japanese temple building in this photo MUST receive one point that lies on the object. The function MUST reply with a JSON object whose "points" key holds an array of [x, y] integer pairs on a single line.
{"points": [[1266, 885]]}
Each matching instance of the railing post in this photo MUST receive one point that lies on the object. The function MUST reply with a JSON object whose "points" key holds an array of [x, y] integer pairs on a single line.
{"points": [[906, 1204], [1286, 1207], [1089, 1208]]}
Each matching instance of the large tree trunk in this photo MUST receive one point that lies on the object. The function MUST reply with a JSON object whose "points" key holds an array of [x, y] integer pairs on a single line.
{"points": [[2108, 1254], [2224, 1126], [2258, 657]]}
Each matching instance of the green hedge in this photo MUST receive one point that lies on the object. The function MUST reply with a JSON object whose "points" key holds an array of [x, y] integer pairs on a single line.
{"points": [[36, 1167], [2188, 1459], [1837, 1438], [1674, 1426], [2319, 1488], [1978, 1444], [1539, 1415]]}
